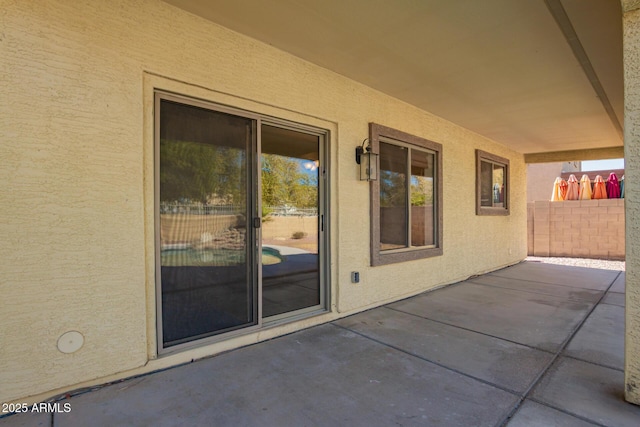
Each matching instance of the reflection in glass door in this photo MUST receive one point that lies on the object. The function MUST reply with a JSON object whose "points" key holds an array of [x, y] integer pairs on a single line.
{"points": [[290, 163], [205, 254], [221, 264]]}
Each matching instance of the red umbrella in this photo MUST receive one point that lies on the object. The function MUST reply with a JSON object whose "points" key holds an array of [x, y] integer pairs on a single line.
{"points": [[573, 188], [613, 186], [599, 188]]}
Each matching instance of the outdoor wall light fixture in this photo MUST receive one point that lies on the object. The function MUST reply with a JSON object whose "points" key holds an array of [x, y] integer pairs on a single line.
{"points": [[368, 162]]}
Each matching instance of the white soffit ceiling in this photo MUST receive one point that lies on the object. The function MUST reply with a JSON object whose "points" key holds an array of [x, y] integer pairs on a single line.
{"points": [[502, 68]]}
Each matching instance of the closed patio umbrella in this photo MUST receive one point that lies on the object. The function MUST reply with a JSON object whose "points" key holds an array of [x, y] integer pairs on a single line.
{"points": [[573, 188], [557, 195], [585, 188], [563, 189], [613, 186], [622, 187], [599, 188]]}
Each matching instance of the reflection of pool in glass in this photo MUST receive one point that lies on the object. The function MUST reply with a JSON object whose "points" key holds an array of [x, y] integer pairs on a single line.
{"points": [[214, 257], [271, 256]]}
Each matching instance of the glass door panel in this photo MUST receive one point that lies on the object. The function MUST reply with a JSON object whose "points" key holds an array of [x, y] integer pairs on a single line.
{"points": [[290, 163], [207, 282]]}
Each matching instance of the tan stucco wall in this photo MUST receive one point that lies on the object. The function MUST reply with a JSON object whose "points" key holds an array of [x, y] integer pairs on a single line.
{"points": [[631, 28], [541, 176], [76, 210]]}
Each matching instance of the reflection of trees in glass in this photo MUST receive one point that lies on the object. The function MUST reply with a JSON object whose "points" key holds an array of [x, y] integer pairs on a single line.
{"points": [[392, 189], [421, 191], [283, 183], [211, 174], [394, 169], [196, 172]]}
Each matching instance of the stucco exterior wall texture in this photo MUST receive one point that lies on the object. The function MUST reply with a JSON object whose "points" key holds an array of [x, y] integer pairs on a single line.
{"points": [[540, 178], [631, 46], [76, 210]]}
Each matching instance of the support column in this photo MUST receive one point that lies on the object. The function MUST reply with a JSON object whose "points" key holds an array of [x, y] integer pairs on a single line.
{"points": [[631, 42]]}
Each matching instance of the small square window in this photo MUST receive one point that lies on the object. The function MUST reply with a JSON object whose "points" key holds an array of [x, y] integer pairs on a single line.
{"points": [[492, 184]]}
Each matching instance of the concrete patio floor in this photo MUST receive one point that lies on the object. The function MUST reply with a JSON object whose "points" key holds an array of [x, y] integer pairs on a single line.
{"points": [[530, 345]]}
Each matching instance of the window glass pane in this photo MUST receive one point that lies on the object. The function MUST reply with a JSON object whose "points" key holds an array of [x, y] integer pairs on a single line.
{"points": [[486, 184], [422, 200], [393, 197], [498, 186]]}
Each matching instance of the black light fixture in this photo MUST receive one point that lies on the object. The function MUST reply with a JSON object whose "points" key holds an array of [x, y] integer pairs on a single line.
{"points": [[368, 162]]}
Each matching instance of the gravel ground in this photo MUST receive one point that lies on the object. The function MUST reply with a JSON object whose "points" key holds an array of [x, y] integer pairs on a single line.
{"points": [[581, 262]]}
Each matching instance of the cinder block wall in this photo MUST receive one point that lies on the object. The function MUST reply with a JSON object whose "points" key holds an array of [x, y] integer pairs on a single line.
{"points": [[577, 228]]}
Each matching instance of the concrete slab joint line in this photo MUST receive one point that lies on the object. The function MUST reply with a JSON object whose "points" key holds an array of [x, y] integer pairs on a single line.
{"points": [[511, 347], [556, 355]]}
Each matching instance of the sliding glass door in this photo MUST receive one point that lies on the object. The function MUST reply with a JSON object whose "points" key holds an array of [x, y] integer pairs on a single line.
{"points": [[240, 230]]}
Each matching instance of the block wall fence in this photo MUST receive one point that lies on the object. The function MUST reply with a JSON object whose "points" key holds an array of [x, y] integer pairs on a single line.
{"points": [[577, 228]]}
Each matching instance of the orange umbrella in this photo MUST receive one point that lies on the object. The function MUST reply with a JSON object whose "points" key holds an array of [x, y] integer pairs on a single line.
{"points": [[585, 188], [557, 195], [563, 189], [573, 188], [599, 188]]}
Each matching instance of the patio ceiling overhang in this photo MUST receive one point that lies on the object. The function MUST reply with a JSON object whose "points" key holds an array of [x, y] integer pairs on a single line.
{"points": [[543, 77]]}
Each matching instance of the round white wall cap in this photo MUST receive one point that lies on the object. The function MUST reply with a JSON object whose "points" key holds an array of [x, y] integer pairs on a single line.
{"points": [[70, 342]]}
